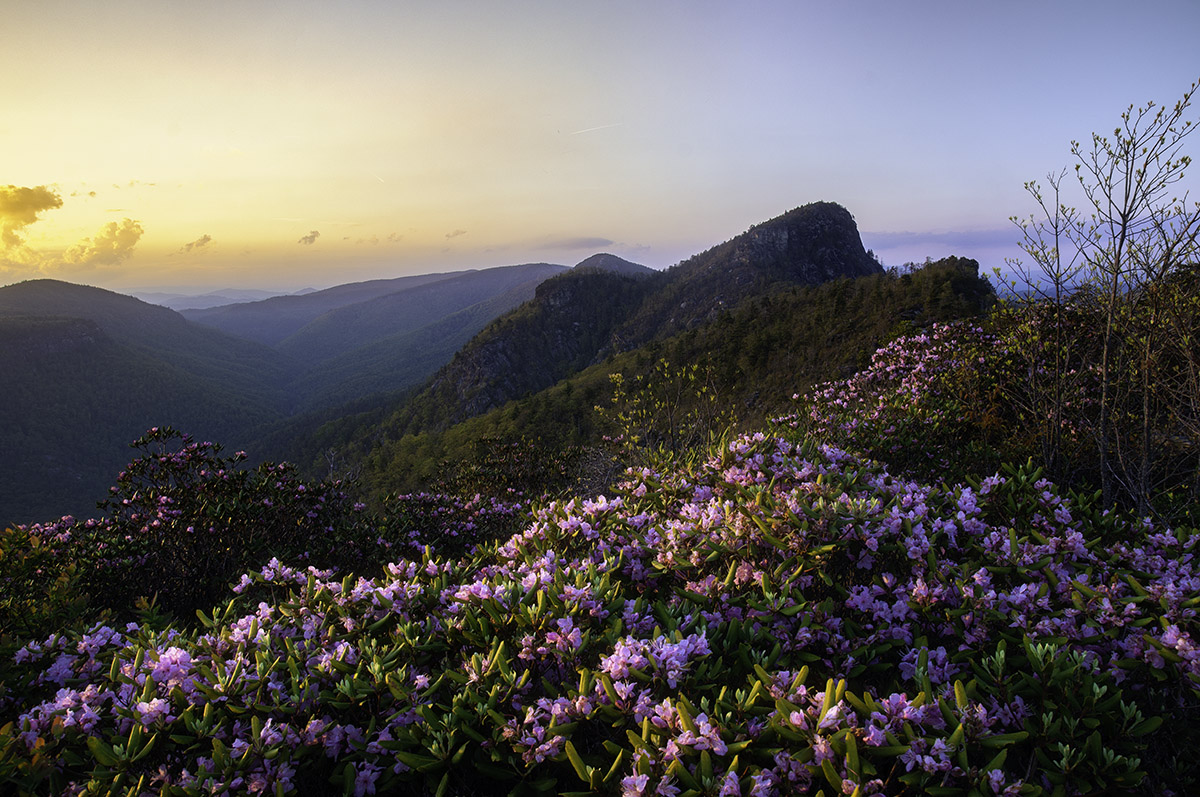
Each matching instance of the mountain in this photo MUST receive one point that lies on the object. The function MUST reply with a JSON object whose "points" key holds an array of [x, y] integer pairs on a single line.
{"points": [[253, 370], [88, 370], [94, 369], [602, 308], [350, 327], [517, 331], [191, 301], [614, 264], [749, 360], [272, 320], [579, 318], [404, 359], [569, 321], [808, 245]]}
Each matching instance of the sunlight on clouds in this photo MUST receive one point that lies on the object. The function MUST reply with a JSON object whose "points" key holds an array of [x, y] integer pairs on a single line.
{"points": [[20, 207], [112, 245]]}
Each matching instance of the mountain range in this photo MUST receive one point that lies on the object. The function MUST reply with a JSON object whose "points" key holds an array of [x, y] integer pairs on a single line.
{"points": [[200, 301], [358, 368]]}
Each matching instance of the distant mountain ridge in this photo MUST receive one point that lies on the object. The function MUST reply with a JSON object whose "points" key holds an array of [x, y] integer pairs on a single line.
{"points": [[201, 301], [345, 328], [272, 320], [94, 369]]}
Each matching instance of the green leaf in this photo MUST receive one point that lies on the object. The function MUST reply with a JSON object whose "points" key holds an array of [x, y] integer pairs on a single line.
{"points": [[1146, 726], [102, 752], [421, 763], [1003, 739]]}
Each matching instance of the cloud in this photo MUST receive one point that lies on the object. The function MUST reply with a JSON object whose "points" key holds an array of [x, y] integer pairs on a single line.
{"points": [[199, 243], [578, 242], [19, 207], [113, 244], [395, 237], [310, 239], [1004, 236], [456, 233]]}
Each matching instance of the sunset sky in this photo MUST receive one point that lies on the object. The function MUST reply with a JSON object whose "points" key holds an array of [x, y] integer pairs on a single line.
{"points": [[160, 145]]}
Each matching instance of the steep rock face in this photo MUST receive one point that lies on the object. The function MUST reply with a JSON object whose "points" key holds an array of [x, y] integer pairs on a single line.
{"points": [[809, 245]]}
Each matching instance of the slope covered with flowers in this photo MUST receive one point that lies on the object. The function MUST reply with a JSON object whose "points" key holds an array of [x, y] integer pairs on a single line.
{"points": [[782, 619]]}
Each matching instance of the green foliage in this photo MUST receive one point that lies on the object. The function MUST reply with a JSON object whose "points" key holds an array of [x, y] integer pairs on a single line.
{"points": [[664, 417], [708, 627], [39, 588], [1085, 734], [195, 519], [515, 470]]}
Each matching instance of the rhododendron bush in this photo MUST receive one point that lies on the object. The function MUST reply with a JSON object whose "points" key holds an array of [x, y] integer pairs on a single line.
{"points": [[782, 618]]}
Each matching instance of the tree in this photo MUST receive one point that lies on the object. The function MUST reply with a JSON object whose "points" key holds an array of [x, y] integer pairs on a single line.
{"points": [[1043, 315], [1127, 180], [1124, 252]]}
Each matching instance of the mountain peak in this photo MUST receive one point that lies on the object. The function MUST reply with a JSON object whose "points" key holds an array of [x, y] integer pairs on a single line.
{"points": [[809, 244], [603, 261]]}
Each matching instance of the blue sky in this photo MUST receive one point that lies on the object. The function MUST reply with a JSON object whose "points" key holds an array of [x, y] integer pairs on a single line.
{"points": [[285, 144]]}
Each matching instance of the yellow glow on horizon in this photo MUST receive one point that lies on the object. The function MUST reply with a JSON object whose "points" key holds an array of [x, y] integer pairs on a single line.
{"points": [[418, 136]]}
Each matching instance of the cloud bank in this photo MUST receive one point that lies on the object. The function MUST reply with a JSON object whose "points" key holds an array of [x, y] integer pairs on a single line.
{"points": [[1004, 236], [578, 242], [310, 239]]}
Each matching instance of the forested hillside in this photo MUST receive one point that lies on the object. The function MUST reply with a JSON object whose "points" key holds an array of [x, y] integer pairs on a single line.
{"points": [[89, 370], [93, 369], [577, 320], [749, 360]]}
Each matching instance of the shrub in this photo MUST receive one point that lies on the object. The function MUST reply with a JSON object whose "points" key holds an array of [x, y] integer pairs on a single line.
{"points": [[780, 618]]}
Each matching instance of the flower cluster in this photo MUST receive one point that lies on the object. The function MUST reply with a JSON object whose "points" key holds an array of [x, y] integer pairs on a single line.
{"points": [[779, 617]]}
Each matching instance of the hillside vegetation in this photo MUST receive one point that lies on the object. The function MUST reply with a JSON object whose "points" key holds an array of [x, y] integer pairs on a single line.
{"points": [[776, 615], [586, 317], [89, 370]]}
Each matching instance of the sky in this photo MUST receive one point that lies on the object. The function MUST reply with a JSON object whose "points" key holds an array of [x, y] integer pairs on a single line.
{"points": [[163, 145]]}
